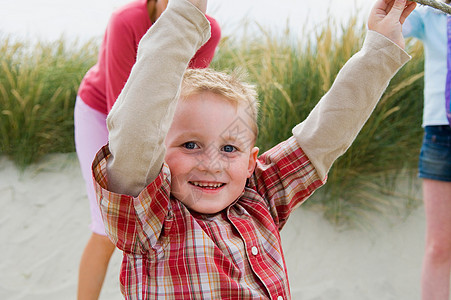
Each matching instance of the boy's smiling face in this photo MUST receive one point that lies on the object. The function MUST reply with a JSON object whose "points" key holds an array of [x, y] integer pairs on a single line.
{"points": [[210, 152]]}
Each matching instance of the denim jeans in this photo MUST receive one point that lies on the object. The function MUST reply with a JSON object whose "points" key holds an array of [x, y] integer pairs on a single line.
{"points": [[435, 156]]}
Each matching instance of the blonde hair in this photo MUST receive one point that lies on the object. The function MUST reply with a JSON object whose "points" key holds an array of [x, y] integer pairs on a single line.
{"points": [[231, 86]]}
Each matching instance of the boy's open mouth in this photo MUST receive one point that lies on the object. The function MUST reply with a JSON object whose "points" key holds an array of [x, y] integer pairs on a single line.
{"points": [[207, 185]]}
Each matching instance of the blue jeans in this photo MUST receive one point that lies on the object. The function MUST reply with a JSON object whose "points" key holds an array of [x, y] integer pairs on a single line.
{"points": [[435, 156]]}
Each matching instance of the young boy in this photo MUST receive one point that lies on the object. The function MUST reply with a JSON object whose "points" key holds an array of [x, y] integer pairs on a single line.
{"points": [[182, 192]]}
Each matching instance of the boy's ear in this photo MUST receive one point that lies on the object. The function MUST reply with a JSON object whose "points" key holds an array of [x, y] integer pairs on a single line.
{"points": [[252, 160]]}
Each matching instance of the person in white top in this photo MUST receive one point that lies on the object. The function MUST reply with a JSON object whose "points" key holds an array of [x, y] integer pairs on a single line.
{"points": [[430, 26]]}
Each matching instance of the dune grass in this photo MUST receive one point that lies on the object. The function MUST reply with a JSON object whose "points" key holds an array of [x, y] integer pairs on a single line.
{"points": [[38, 85]]}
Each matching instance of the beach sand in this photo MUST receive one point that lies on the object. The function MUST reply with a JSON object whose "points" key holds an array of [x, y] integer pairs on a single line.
{"points": [[44, 227]]}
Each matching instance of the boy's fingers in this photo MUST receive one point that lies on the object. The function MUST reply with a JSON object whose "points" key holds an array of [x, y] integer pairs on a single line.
{"points": [[397, 9], [409, 8]]}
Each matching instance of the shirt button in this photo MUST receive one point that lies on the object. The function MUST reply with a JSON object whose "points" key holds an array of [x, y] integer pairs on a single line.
{"points": [[280, 298], [254, 250]]}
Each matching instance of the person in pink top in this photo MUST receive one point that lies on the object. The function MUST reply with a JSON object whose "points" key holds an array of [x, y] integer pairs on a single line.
{"points": [[97, 93]]}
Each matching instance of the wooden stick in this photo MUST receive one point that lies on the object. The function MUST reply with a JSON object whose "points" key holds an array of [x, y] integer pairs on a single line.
{"points": [[435, 4]]}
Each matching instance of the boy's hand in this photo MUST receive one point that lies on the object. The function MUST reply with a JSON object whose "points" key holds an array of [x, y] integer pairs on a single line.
{"points": [[387, 17], [200, 4]]}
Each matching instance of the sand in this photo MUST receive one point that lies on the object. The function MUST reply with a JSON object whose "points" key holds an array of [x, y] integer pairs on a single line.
{"points": [[44, 227]]}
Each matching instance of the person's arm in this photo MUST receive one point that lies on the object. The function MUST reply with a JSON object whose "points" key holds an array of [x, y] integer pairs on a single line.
{"points": [[121, 43], [336, 120], [140, 118], [205, 54], [330, 128]]}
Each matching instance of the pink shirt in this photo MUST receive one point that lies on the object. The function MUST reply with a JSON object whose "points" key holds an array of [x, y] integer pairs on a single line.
{"points": [[104, 81]]}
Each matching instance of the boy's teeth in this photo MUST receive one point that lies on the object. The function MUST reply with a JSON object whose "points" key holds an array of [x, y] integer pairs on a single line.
{"points": [[210, 185]]}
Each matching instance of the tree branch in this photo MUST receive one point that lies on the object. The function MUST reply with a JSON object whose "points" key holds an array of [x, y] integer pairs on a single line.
{"points": [[435, 4]]}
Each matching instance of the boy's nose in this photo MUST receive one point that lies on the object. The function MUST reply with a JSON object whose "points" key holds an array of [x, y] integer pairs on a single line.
{"points": [[211, 163]]}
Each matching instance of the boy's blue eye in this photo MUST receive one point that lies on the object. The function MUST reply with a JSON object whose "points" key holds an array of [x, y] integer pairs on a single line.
{"points": [[229, 148], [190, 145]]}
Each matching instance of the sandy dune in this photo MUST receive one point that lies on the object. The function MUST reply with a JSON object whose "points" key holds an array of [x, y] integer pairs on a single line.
{"points": [[44, 227]]}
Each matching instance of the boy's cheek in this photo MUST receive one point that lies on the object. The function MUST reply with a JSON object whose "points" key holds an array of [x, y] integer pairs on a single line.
{"points": [[174, 159]]}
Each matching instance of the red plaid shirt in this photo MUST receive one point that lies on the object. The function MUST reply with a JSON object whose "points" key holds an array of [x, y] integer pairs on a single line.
{"points": [[171, 252]]}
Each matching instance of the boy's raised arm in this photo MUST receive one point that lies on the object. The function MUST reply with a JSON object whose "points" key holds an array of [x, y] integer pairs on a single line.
{"points": [[336, 120], [141, 117]]}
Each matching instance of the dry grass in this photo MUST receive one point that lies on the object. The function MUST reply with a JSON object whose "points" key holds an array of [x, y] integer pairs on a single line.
{"points": [[38, 84]]}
